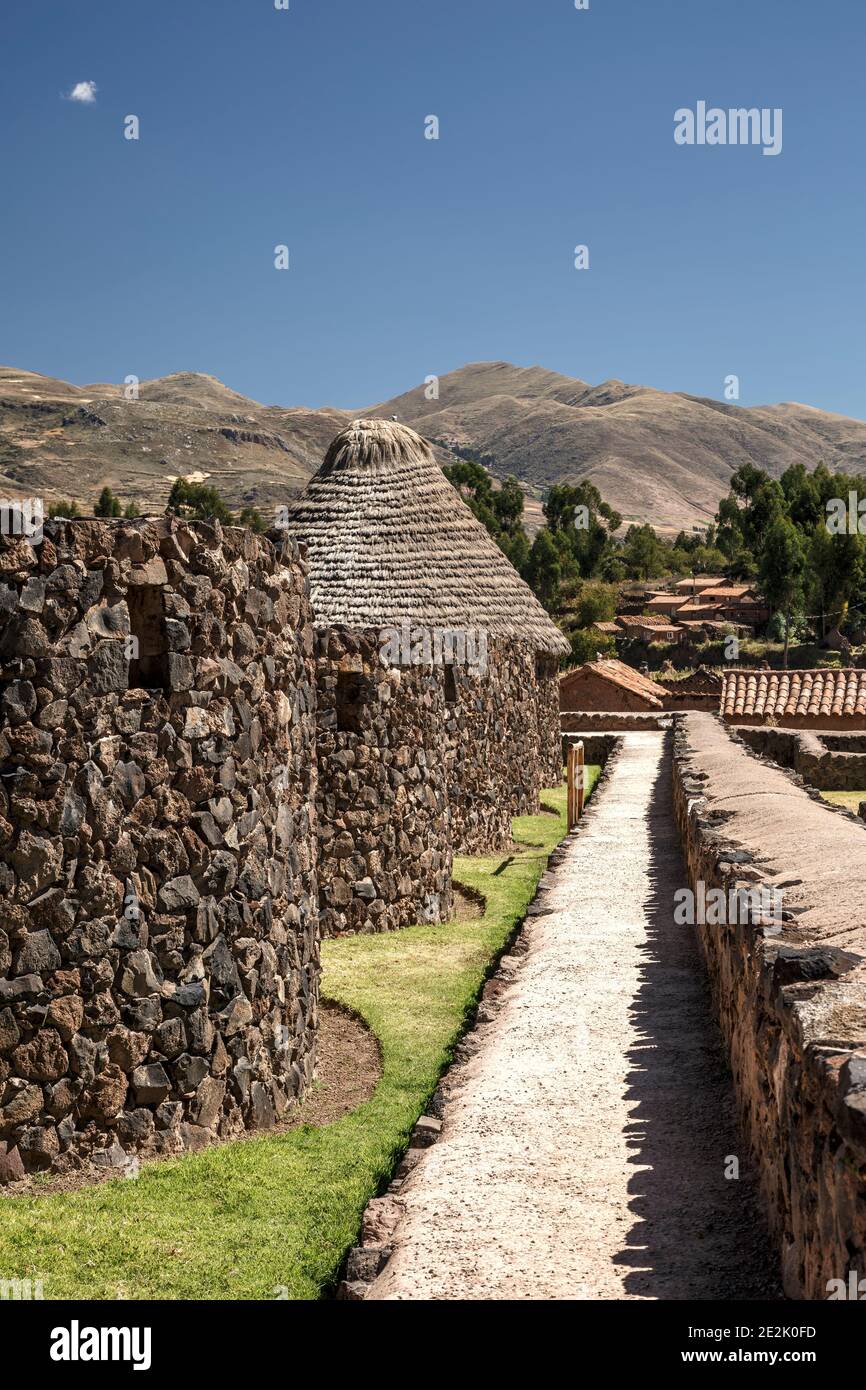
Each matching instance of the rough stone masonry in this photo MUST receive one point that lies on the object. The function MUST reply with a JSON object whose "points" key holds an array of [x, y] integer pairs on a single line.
{"points": [[159, 960], [790, 997]]}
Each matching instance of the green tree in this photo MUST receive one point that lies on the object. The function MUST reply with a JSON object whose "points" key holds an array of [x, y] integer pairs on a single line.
{"points": [[643, 552], [198, 501], [586, 645], [544, 569], [107, 504], [508, 504], [252, 517], [596, 603], [783, 571]]}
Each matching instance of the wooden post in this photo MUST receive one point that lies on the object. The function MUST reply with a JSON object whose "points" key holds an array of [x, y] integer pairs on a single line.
{"points": [[574, 770], [580, 780]]}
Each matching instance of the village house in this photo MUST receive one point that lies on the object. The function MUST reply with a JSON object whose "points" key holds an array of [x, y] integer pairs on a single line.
{"points": [[719, 600], [665, 603], [612, 686], [697, 583], [614, 629], [645, 628]]}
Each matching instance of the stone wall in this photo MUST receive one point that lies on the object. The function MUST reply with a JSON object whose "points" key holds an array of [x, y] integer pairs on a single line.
{"points": [[423, 762], [504, 746], [790, 997], [679, 703], [821, 763], [597, 720], [844, 743], [385, 848], [159, 961], [597, 748]]}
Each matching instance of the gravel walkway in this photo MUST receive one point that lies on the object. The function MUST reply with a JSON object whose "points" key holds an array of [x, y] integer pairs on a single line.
{"points": [[584, 1154]]}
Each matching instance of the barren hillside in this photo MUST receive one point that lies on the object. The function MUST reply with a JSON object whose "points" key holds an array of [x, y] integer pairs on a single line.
{"points": [[657, 456]]}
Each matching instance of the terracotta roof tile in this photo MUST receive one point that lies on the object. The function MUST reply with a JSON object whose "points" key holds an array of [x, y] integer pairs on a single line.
{"points": [[780, 694], [727, 591], [700, 581]]}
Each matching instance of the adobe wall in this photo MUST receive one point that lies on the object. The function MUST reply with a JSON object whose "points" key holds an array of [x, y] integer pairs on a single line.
{"points": [[589, 691], [159, 966], [823, 764], [790, 998]]}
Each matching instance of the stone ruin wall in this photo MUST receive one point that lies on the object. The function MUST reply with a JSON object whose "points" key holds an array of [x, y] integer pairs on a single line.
{"points": [[425, 764], [547, 698], [595, 721], [503, 737], [794, 1023], [159, 962], [824, 765], [385, 848], [597, 748]]}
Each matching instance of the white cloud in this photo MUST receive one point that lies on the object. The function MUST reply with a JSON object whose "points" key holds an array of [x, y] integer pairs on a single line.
{"points": [[84, 92]]}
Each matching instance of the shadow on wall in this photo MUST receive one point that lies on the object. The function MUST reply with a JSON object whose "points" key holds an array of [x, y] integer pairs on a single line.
{"points": [[694, 1232]]}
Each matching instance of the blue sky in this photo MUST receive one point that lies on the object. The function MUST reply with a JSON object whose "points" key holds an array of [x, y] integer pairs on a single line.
{"points": [[413, 256]]}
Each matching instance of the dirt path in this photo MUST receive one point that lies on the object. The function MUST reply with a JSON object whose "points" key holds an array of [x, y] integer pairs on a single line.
{"points": [[584, 1156]]}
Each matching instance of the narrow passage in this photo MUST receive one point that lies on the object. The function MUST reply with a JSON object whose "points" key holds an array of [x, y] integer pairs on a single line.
{"points": [[585, 1156]]}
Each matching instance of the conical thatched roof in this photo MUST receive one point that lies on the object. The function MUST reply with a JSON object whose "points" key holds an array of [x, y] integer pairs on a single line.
{"points": [[389, 540]]}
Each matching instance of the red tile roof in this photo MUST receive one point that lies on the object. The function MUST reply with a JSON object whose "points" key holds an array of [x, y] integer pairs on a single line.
{"points": [[700, 581], [787, 694], [666, 601], [689, 609], [619, 673], [726, 591]]}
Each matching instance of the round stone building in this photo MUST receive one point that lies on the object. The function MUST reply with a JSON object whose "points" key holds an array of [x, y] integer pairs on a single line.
{"points": [[438, 711], [159, 945]]}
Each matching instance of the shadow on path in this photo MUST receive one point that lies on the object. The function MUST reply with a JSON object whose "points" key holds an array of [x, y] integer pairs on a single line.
{"points": [[695, 1233]]}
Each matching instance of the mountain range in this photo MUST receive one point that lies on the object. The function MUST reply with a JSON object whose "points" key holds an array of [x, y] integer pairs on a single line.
{"points": [[657, 456]]}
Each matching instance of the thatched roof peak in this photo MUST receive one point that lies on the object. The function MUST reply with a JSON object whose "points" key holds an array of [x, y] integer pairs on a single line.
{"points": [[374, 445], [389, 540]]}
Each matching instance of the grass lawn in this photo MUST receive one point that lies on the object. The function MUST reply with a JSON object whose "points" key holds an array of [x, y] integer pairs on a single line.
{"points": [[850, 800], [273, 1217]]}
